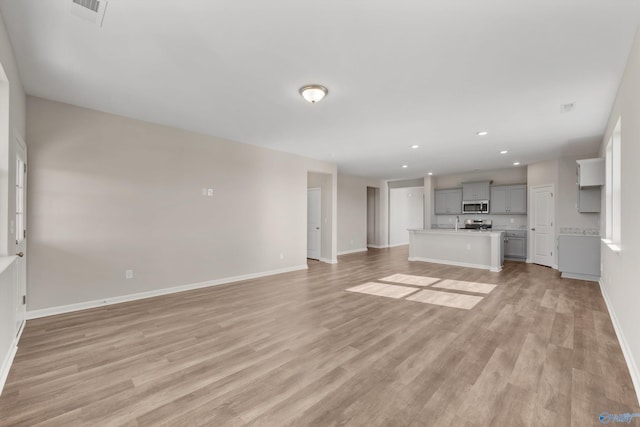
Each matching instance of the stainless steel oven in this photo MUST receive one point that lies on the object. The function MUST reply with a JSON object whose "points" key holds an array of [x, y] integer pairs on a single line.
{"points": [[475, 207]]}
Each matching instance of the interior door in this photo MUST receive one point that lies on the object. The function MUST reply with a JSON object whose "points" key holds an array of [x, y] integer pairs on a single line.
{"points": [[314, 215], [542, 230], [21, 231]]}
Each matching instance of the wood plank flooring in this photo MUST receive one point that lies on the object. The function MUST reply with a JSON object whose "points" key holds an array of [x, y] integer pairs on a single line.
{"points": [[297, 349]]}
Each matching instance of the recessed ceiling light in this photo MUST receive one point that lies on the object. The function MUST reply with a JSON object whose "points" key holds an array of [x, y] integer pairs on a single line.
{"points": [[405, 166], [313, 93], [516, 163], [414, 146], [483, 133], [504, 152], [430, 173]]}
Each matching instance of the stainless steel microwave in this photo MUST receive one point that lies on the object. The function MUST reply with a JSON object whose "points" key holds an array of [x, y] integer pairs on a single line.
{"points": [[476, 207]]}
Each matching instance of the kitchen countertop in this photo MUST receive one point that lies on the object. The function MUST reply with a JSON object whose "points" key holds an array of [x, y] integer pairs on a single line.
{"points": [[461, 232]]}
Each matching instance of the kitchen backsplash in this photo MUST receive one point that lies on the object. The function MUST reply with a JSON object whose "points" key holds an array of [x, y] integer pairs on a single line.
{"points": [[500, 222], [581, 231]]}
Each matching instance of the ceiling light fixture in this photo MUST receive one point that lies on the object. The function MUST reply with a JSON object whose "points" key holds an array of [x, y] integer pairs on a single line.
{"points": [[405, 166], [516, 163], [313, 93], [504, 152], [430, 173], [415, 146], [483, 133]]}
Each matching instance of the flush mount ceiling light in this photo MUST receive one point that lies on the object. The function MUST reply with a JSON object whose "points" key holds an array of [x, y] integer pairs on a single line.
{"points": [[405, 166], [414, 146], [430, 173], [504, 152], [313, 93], [483, 133], [516, 163]]}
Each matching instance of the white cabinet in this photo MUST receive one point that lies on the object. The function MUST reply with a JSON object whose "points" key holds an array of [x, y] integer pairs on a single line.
{"points": [[448, 202], [472, 191], [590, 172], [579, 256], [508, 199]]}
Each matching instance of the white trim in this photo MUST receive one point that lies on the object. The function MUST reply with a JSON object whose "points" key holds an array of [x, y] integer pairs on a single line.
{"points": [[353, 251], [624, 345], [378, 246], [456, 263], [35, 314], [328, 261], [8, 360], [398, 244], [579, 276]]}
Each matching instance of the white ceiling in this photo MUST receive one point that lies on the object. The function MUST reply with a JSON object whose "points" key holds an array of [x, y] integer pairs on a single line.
{"points": [[401, 72]]}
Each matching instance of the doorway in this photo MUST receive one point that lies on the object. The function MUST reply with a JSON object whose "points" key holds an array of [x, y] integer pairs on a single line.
{"points": [[542, 228], [373, 206], [314, 223], [406, 211]]}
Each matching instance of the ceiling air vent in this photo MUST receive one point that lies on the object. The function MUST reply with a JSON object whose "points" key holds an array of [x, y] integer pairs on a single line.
{"points": [[89, 4], [89, 10]]}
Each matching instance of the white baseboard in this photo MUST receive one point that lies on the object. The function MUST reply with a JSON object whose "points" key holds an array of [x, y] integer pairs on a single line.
{"points": [[353, 251], [578, 276], [328, 261], [8, 360], [398, 244], [34, 314], [457, 264], [626, 351], [378, 246]]}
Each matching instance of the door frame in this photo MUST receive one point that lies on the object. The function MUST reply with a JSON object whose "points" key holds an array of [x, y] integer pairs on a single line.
{"points": [[319, 190], [531, 210], [21, 263]]}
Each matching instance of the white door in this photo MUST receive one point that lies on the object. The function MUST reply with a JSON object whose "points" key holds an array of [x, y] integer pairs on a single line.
{"points": [[20, 230], [314, 215], [542, 230]]}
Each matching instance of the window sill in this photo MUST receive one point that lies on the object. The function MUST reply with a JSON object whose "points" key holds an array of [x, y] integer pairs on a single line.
{"points": [[615, 248]]}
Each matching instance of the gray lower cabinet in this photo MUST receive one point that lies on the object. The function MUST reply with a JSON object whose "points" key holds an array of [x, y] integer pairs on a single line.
{"points": [[508, 199], [515, 244], [579, 256], [448, 202]]}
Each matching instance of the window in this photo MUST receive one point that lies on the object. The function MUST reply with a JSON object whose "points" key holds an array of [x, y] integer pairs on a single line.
{"points": [[20, 202], [613, 184]]}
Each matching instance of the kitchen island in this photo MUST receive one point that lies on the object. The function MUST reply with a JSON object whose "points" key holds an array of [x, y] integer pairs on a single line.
{"points": [[465, 248]]}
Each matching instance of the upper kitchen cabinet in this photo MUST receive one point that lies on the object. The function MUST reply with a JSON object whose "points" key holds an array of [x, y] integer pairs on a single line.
{"points": [[448, 202], [509, 199], [472, 191], [591, 172], [590, 177]]}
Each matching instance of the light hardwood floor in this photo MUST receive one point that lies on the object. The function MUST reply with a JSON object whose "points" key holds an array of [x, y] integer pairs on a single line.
{"points": [[297, 349]]}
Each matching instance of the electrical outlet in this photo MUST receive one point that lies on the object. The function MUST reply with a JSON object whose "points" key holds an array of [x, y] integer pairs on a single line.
{"points": [[210, 192], [204, 191], [513, 220], [128, 274], [281, 256]]}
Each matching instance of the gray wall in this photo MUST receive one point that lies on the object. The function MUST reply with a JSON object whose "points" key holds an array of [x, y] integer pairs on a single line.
{"points": [[352, 213], [108, 193], [12, 125], [620, 270]]}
